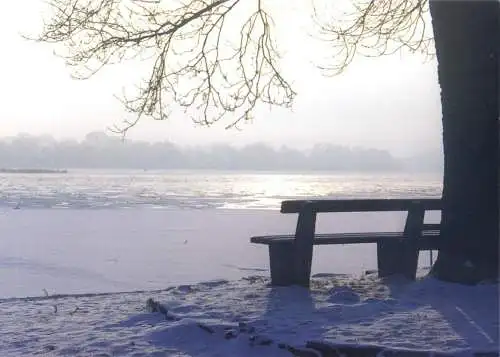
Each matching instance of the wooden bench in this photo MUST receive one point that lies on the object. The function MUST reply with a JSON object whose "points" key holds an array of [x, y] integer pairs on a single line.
{"points": [[397, 252]]}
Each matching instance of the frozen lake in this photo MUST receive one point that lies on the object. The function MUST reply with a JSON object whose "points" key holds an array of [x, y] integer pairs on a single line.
{"points": [[96, 189]]}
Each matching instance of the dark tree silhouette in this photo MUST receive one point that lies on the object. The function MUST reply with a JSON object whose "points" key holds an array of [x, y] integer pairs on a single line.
{"points": [[218, 58], [467, 37]]}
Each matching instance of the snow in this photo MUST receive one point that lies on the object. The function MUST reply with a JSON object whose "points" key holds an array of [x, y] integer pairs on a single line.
{"points": [[213, 289], [82, 251]]}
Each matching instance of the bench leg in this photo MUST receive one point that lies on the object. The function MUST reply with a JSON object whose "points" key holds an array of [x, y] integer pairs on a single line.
{"points": [[410, 263], [397, 257], [388, 258], [281, 259], [304, 243]]}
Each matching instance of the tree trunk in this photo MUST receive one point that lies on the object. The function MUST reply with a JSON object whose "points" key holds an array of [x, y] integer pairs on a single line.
{"points": [[467, 36]]}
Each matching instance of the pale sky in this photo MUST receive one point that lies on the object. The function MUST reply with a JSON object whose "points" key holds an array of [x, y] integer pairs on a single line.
{"points": [[389, 103]]}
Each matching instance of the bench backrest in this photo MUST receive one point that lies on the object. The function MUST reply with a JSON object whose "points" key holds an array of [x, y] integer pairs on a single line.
{"points": [[360, 205]]}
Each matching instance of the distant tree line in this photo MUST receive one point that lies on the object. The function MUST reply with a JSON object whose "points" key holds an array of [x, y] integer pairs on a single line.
{"points": [[99, 150]]}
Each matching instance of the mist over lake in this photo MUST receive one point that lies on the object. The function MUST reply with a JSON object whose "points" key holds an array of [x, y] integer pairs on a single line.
{"points": [[99, 150]]}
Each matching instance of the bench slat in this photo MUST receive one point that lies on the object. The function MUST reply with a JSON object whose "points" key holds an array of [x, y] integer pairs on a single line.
{"points": [[342, 238], [360, 205], [431, 227]]}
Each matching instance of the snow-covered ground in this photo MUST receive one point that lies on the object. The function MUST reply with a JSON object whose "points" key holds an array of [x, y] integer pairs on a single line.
{"points": [[212, 295]]}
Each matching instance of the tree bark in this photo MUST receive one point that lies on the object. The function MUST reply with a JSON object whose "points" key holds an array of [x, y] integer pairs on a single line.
{"points": [[467, 36]]}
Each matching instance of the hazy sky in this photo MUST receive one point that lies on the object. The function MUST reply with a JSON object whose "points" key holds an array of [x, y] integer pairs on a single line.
{"points": [[390, 103]]}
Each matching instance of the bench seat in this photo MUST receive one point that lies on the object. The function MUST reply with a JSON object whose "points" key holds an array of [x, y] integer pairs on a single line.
{"points": [[427, 241]]}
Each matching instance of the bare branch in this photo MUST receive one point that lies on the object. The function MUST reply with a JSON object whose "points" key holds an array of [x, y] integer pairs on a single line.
{"points": [[198, 63], [374, 28]]}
